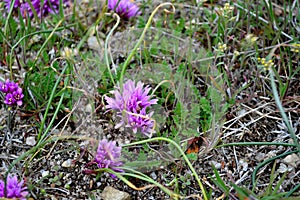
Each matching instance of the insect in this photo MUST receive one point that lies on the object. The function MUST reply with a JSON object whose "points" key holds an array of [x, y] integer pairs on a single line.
{"points": [[193, 145]]}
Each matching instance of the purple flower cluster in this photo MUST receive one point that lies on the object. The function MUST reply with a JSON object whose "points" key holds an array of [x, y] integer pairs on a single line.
{"points": [[108, 156], [14, 93], [125, 8], [42, 7], [131, 105], [13, 189]]}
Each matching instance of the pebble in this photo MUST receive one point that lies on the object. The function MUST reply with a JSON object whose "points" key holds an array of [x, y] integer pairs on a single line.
{"points": [[45, 173], [30, 141], [68, 163], [153, 176], [110, 193], [89, 108], [292, 160]]}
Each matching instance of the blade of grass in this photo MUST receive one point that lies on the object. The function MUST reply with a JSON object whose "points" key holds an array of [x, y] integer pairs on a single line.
{"points": [[282, 112], [41, 135], [181, 152], [256, 143], [268, 161], [219, 182], [128, 59]]}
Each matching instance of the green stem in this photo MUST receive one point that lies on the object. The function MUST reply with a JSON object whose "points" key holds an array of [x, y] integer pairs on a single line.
{"points": [[8, 16], [140, 176], [49, 105], [296, 188], [268, 161], [46, 42], [53, 118], [32, 151], [32, 34], [140, 41], [256, 143], [282, 112], [106, 47], [181, 152]]}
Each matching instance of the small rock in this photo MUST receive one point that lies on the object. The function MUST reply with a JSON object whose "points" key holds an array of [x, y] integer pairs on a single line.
{"points": [[68, 163], [45, 173], [216, 164], [93, 43], [110, 193], [244, 164], [260, 156], [89, 108], [30, 141], [283, 168], [292, 160], [153, 176]]}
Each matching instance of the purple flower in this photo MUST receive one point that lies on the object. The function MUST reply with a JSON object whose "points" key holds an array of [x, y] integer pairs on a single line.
{"points": [[42, 7], [2, 188], [14, 189], [16, 5], [18, 96], [4, 86], [14, 94], [12, 86], [141, 123], [131, 106], [108, 155], [125, 8], [9, 99], [48, 6]]}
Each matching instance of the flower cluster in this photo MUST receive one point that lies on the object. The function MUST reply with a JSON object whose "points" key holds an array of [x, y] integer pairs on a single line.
{"points": [[125, 8], [221, 47], [295, 48], [41, 7], [13, 93], [131, 104], [226, 10], [251, 39], [266, 63], [13, 189], [108, 156]]}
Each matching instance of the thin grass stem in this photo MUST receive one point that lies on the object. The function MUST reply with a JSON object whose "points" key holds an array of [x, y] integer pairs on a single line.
{"points": [[268, 161], [181, 152], [256, 143], [49, 104], [282, 112], [140, 41], [106, 47]]}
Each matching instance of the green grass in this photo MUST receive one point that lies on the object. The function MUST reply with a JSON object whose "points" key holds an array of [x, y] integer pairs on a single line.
{"points": [[196, 57]]}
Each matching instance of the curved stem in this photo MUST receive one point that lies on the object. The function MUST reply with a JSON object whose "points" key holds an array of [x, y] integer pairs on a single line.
{"points": [[282, 112], [255, 143], [106, 46], [139, 176], [296, 188], [181, 152], [140, 40], [40, 135], [267, 161]]}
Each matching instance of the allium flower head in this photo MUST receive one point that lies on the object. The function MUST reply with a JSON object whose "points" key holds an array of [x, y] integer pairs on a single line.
{"points": [[108, 155], [18, 96], [2, 188], [4, 86], [16, 5], [9, 99], [131, 105], [13, 93], [125, 8], [42, 7], [14, 188]]}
